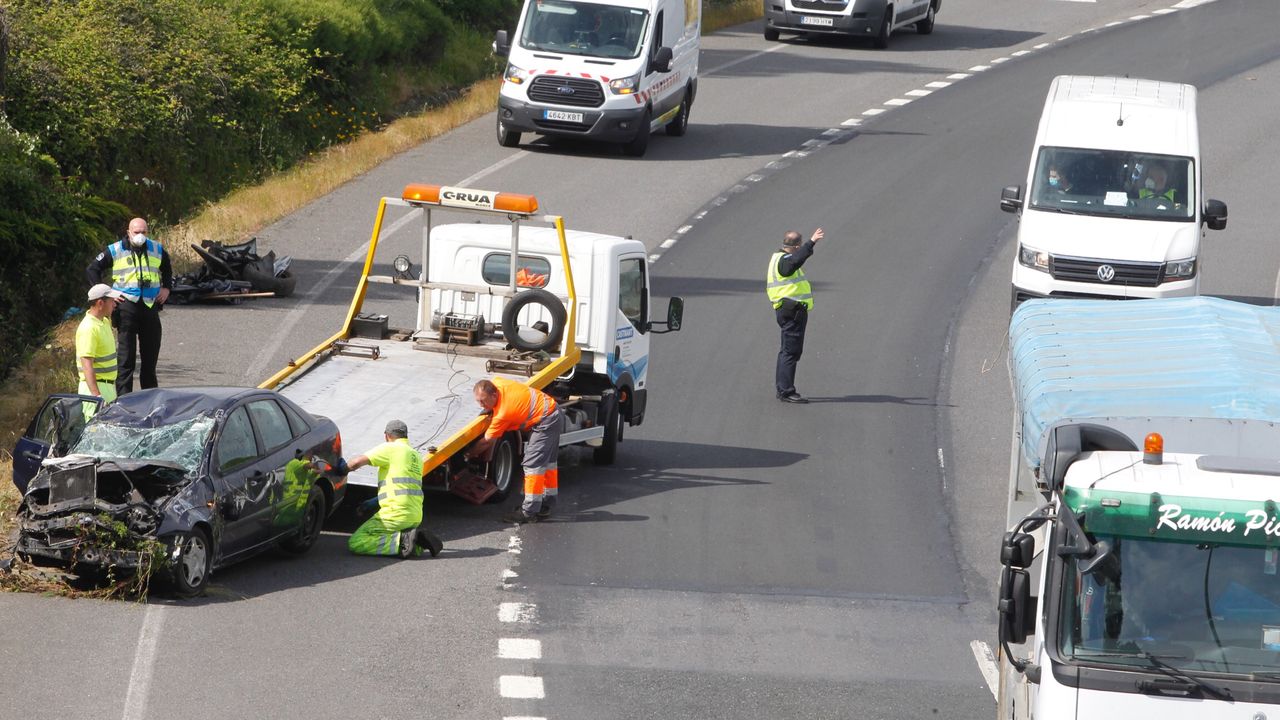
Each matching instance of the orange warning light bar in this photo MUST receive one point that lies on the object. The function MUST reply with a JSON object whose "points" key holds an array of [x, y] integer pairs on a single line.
{"points": [[470, 199]]}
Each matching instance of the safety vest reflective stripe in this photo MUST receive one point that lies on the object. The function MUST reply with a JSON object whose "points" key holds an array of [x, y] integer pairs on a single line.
{"points": [[399, 491], [794, 286], [536, 408], [104, 361], [137, 274]]}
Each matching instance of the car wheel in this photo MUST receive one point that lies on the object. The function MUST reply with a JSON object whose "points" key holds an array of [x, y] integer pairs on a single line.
{"points": [[925, 26], [881, 40], [640, 143], [504, 468], [507, 138], [680, 123], [771, 34], [190, 561], [612, 421], [312, 523]]}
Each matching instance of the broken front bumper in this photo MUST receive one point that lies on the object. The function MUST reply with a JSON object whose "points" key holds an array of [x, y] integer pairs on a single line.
{"points": [[64, 541]]}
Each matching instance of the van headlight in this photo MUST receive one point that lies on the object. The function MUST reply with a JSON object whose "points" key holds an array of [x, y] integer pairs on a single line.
{"points": [[515, 75], [1180, 269], [1034, 259], [625, 86]]}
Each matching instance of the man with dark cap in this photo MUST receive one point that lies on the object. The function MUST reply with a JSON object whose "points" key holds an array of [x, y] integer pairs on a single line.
{"points": [[792, 299], [393, 530]]}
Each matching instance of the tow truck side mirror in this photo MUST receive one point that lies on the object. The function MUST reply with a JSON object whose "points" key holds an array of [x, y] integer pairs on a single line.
{"points": [[1016, 606], [1011, 199], [501, 45], [1215, 214], [675, 317]]}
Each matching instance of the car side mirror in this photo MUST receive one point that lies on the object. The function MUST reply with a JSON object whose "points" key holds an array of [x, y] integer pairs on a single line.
{"points": [[1215, 214], [675, 317], [501, 45], [1011, 199], [661, 61]]}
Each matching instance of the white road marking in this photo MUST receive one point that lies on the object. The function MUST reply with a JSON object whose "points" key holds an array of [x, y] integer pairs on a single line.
{"points": [[509, 576], [851, 122], [987, 665], [684, 229], [668, 243], [653, 259], [1041, 46], [144, 664], [897, 102], [1066, 37], [1188, 4], [999, 60], [513, 612], [514, 545], [811, 143], [1139, 17], [754, 177], [519, 649], [523, 687], [1164, 11], [832, 131], [466, 182], [979, 68], [742, 59], [1113, 24], [938, 84], [958, 76], [942, 463], [1020, 53], [919, 93], [873, 111]]}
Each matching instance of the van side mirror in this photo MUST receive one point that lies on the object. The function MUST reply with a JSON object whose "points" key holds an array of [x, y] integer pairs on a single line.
{"points": [[501, 45], [1215, 214], [1016, 607], [1011, 199], [1017, 550], [675, 317], [661, 61]]}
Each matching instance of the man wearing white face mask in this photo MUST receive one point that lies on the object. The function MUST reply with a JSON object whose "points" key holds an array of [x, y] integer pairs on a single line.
{"points": [[139, 268]]}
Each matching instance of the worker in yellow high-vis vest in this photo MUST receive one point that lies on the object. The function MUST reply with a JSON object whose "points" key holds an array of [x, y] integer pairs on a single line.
{"points": [[792, 299], [394, 531], [96, 345]]}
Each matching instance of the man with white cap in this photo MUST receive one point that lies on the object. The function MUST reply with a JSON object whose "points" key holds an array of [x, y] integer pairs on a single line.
{"points": [[394, 530], [96, 345]]}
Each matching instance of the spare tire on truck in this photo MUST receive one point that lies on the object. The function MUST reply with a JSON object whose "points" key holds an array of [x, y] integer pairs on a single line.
{"points": [[533, 340]]}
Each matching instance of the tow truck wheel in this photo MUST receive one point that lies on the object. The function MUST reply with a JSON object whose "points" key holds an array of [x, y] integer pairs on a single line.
{"points": [[507, 138], [612, 421], [771, 34], [312, 522], [190, 559], [503, 468]]}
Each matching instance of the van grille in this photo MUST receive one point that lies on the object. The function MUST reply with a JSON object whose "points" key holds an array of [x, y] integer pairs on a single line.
{"points": [[561, 90], [828, 5], [1085, 270]]}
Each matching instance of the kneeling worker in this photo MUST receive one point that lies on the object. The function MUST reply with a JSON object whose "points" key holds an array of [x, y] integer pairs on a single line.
{"points": [[516, 406], [394, 529]]}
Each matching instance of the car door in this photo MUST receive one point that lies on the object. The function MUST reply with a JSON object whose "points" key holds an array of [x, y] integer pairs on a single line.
{"points": [[284, 462], [242, 484], [53, 429]]}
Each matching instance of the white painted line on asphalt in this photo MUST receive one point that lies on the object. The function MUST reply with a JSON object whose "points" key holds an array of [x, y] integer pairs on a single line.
{"points": [[776, 165], [986, 665], [668, 244], [509, 575], [683, 229], [521, 687], [519, 649], [919, 93], [703, 213], [1113, 24], [1140, 17], [514, 545], [789, 153], [754, 177], [1020, 53], [1041, 46], [942, 463], [999, 60], [144, 664], [802, 153], [466, 182], [851, 122], [958, 76], [742, 59], [832, 131], [739, 188], [1188, 4], [979, 68], [897, 102], [513, 612], [654, 257], [938, 84], [873, 111], [1164, 11], [811, 143], [1066, 37]]}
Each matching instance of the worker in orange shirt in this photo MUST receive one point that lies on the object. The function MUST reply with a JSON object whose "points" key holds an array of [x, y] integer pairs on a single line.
{"points": [[516, 406]]}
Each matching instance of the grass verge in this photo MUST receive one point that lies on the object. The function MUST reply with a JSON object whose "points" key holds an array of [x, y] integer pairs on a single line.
{"points": [[722, 15]]}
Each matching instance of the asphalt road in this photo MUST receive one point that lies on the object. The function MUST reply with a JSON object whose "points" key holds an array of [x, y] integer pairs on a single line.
{"points": [[744, 558]]}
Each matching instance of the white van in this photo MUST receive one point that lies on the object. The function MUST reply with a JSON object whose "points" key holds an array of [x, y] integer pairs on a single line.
{"points": [[609, 70], [1115, 204], [876, 19]]}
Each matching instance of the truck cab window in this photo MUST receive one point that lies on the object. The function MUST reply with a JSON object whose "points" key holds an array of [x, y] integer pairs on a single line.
{"points": [[631, 292], [531, 271]]}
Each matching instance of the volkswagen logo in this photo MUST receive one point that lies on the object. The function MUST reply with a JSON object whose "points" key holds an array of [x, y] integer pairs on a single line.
{"points": [[1106, 273], [565, 90], [1259, 716]]}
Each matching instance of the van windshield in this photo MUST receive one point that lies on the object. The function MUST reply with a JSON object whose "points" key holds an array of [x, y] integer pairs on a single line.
{"points": [[1114, 183], [584, 28]]}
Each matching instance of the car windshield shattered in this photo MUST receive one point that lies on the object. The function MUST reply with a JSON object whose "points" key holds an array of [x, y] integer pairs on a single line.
{"points": [[582, 28], [1195, 607], [181, 443], [1114, 183]]}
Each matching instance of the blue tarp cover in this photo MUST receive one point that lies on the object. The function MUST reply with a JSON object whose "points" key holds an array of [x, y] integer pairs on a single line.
{"points": [[1197, 357]]}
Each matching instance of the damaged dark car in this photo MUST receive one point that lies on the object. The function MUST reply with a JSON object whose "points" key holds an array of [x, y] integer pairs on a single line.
{"points": [[204, 476]]}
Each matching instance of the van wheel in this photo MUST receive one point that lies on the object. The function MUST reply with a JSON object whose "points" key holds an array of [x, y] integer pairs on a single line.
{"points": [[504, 468], [680, 123], [881, 40], [507, 138], [925, 26], [640, 143], [533, 341], [771, 34]]}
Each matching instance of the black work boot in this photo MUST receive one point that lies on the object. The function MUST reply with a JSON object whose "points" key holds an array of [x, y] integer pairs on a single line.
{"points": [[428, 541], [519, 517]]}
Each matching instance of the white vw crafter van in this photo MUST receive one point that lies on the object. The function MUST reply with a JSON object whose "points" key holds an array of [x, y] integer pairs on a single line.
{"points": [[609, 70], [876, 19], [1115, 205]]}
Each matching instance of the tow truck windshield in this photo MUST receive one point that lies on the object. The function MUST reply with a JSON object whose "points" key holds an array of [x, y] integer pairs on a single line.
{"points": [[584, 28], [1197, 607]]}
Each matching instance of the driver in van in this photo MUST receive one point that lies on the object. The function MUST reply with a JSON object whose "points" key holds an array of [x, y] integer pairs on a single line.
{"points": [[1157, 184], [1055, 181]]}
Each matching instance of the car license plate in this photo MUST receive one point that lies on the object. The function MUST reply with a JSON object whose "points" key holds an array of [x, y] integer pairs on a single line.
{"points": [[811, 20], [562, 116]]}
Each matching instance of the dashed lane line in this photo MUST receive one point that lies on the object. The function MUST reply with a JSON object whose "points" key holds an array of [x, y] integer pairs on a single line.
{"points": [[521, 687], [519, 649]]}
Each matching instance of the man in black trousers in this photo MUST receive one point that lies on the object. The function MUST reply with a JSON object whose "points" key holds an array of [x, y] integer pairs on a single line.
{"points": [[139, 268], [792, 299]]}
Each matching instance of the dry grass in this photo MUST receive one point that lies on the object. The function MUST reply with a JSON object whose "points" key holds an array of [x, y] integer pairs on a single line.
{"points": [[248, 210], [51, 369], [722, 16]]}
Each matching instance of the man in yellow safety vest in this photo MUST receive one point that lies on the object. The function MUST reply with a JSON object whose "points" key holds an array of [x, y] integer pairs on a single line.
{"points": [[792, 299], [96, 345], [394, 530]]}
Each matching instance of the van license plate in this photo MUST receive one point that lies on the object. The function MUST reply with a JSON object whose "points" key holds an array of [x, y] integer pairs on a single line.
{"points": [[823, 21], [562, 116]]}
